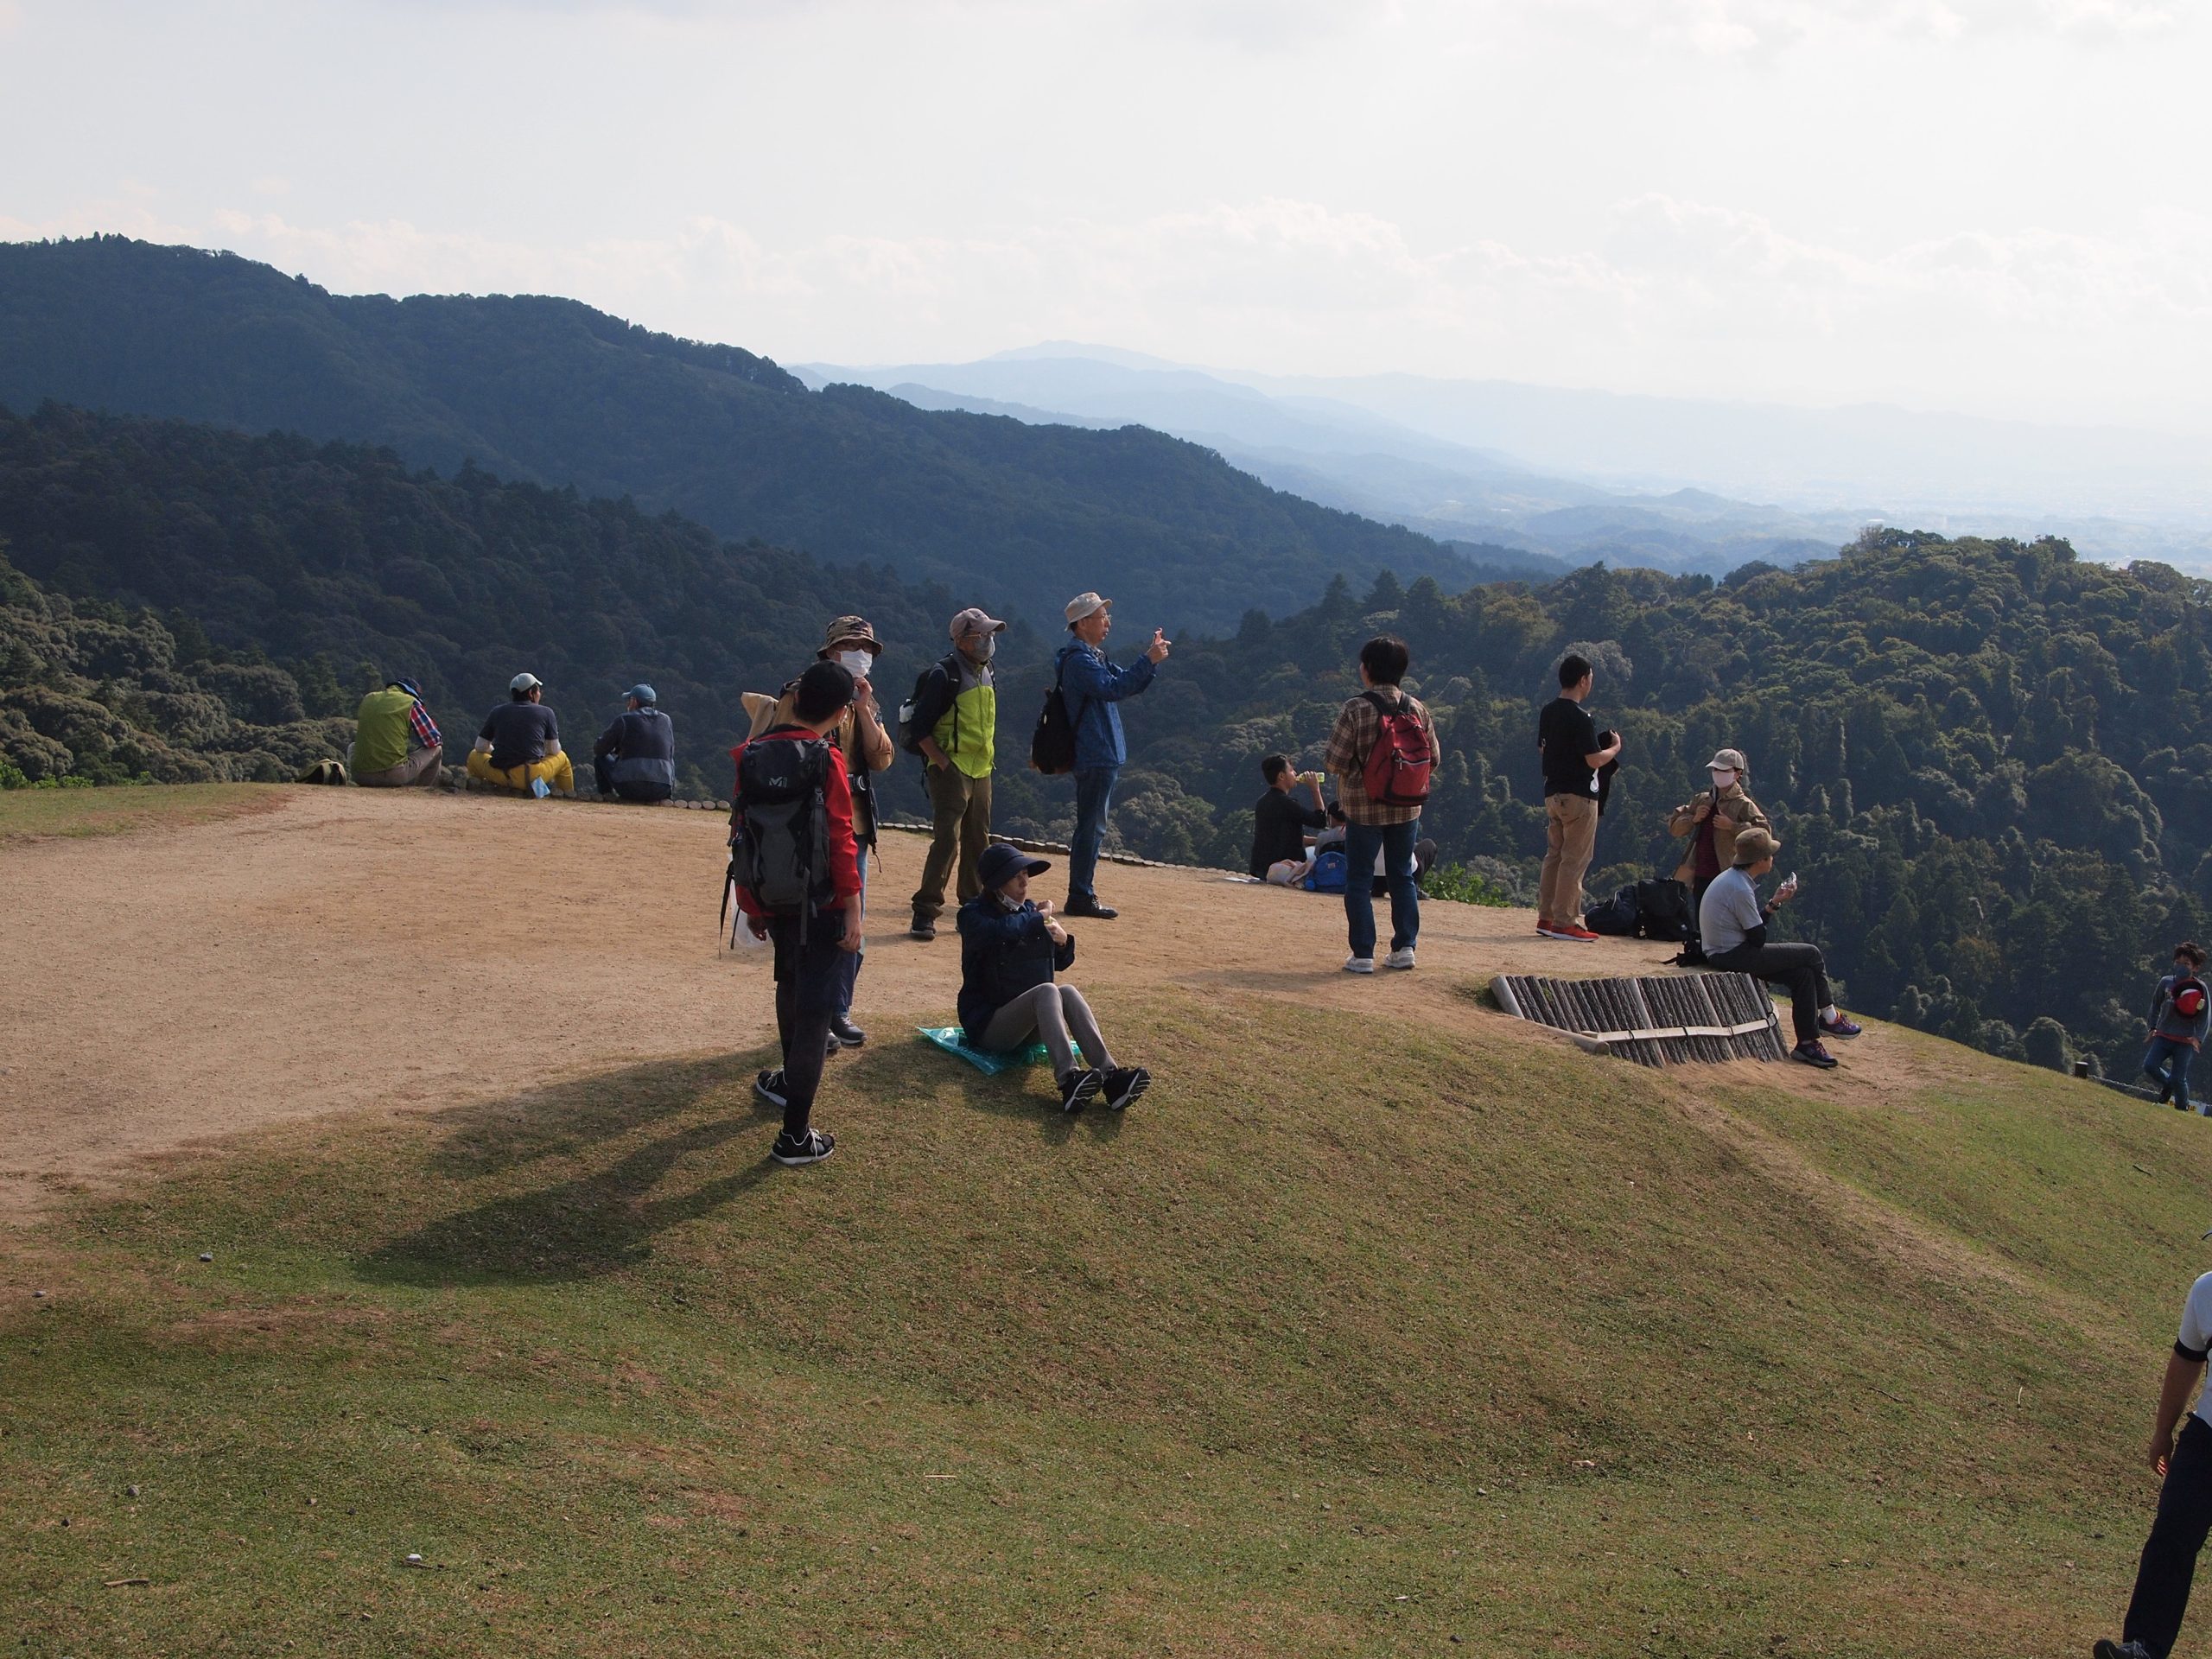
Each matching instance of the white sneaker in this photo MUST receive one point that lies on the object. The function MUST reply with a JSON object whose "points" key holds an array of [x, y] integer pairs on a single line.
{"points": [[1359, 964], [1400, 958]]}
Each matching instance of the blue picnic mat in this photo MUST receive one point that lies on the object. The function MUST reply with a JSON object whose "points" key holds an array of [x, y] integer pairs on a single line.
{"points": [[990, 1062]]}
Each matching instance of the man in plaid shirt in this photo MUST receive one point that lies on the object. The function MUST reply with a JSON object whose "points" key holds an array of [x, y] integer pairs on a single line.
{"points": [[1371, 826], [395, 740]]}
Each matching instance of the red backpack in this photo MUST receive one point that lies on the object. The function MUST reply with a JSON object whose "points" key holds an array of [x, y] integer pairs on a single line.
{"points": [[2188, 993], [1396, 773]]}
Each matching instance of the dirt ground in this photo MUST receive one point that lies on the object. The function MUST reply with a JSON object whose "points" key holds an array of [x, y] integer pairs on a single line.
{"points": [[411, 949]]}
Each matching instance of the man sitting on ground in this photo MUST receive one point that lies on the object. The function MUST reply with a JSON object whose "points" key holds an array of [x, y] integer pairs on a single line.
{"points": [[635, 758], [1733, 923], [396, 742], [519, 746], [1278, 822]]}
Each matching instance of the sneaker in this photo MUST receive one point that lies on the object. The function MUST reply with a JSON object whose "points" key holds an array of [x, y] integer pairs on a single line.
{"points": [[844, 1032], [924, 928], [1123, 1084], [1573, 930], [768, 1088], [1845, 1026], [2108, 1649], [1402, 958], [1811, 1053], [1359, 964], [1544, 926], [1089, 907], [809, 1148], [1078, 1086], [832, 1047]]}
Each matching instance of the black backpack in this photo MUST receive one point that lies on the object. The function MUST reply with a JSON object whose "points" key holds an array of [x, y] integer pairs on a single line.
{"points": [[1615, 917], [1663, 909], [779, 826], [1052, 746], [933, 690]]}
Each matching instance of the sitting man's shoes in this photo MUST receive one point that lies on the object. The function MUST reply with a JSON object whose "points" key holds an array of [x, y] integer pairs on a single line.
{"points": [[924, 928], [1844, 1026], [1810, 1052], [845, 1032], [2108, 1649], [768, 1088], [1401, 958], [1089, 907], [1123, 1084], [1359, 964], [1078, 1086], [809, 1148]]}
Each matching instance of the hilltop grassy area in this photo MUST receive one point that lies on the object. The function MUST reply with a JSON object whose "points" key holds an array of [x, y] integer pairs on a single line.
{"points": [[34, 814], [1534, 1352]]}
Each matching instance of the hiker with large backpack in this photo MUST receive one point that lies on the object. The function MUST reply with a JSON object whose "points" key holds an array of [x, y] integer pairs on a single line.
{"points": [[1712, 819], [860, 737], [951, 721], [1573, 753], [1091, 691], [796, 867], [1383, 753], [2181, 1015]]}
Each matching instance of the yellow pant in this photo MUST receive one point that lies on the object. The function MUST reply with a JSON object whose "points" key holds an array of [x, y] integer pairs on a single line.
{"points": [[554, 769]]}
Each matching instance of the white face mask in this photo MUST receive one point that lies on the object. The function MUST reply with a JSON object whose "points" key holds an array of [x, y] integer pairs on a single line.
{"points": [[983, 649], [855, 662], [1723, 779]]}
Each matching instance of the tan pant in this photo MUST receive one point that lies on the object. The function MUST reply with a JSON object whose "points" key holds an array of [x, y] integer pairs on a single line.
{"points": [[421, 766], [960, 811], [554, 769], [1570, 831]]}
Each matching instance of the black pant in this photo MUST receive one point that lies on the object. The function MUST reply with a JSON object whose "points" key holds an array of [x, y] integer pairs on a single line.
{"points": [[1797, 968], [602, 776], [2170, 1554], [809, 979]]}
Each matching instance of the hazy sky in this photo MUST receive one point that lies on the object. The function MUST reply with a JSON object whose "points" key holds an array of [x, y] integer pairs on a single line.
{"points": [[1995, 206]]}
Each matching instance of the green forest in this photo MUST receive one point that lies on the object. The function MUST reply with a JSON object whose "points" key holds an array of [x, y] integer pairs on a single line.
{"points": [[552, 392], [1988, 760]]}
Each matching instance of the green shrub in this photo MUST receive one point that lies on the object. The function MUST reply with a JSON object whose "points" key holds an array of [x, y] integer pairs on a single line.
{"points": [[1465, 886]]}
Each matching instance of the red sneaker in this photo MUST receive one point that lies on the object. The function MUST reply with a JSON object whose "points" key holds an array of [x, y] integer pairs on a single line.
{"points": [[1575, 930]]}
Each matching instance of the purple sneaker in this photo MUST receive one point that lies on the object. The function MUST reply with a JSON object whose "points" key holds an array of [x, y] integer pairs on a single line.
{"points": [[1842, 1026]]}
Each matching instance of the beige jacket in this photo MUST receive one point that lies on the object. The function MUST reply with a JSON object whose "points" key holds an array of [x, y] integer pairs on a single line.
{"points": [[1733, 812]]}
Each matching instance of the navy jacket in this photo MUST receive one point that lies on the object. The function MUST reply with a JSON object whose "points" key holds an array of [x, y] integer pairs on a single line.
{"points": [[643, 743], [1002, 953], [1092, 686]]}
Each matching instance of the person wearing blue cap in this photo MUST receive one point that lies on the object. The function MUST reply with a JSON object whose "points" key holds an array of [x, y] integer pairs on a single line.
{"points": [[635, 758], [396, 742]]}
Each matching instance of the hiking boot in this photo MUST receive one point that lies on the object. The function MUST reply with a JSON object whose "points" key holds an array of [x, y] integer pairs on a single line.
{"points": [[1123, 1084], [844, 1032], [1078, 1086], [768, 1088], [1090, 907], [1573, 930], [1359, 964], [1844, 1026], [1810, 1052], [1402, 957], [809, 1148], [2108, 1649], [924, 927]]}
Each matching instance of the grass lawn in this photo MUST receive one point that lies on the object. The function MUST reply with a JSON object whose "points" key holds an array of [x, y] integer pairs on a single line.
{"points": [[33, 814], [1534, 1352]]}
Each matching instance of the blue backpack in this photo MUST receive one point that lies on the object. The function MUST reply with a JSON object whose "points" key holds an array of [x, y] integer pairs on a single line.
{"points": [[1328, 873]]}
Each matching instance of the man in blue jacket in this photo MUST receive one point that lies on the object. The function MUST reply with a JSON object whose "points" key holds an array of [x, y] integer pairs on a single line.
{"points": [[1091, 686], [635, 758]]}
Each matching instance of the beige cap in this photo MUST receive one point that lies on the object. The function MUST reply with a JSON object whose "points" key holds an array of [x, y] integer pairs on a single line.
{"points": [[1753, 845], [1085, 605], [976, 620], [1728, 760]]}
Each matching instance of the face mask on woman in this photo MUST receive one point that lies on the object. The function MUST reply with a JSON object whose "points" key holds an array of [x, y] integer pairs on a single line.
{"points": [[1723, 780], [855, 662]]}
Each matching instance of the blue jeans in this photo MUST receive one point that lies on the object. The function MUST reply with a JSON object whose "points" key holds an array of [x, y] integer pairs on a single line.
{"points": [[1094, 798], [2166, 1064], [1395, 842], [848, 967]]}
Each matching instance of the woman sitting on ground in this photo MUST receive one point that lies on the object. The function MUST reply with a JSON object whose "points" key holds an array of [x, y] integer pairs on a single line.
{"points": [[1010, 947]]}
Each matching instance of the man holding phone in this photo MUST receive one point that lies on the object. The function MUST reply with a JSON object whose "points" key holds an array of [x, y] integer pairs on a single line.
{"points": [[1093, 689], [1733, 923]]}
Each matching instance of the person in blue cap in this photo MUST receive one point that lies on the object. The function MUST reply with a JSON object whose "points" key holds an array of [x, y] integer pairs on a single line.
{"points": [[635, 758]]}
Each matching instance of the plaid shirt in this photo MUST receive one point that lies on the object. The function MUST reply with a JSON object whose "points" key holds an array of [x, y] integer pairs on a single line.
{"points": [[426, 729], [1357, 728]]}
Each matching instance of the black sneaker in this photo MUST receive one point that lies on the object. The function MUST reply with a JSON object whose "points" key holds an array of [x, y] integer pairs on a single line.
{"points": [[1123, 1084], [843, 1030], [1089, 907], [1812, 1053], [832, 1047], [2108, 1649], [924, 928], [768, 1088], [809, 1148], [1078, 1086]]}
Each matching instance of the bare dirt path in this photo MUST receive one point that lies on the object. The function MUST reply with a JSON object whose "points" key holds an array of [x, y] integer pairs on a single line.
{"points": [[406, 950]]}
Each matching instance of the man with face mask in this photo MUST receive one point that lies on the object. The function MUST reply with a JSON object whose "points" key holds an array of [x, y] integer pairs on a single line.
{"points": [[1711, 819], [955, 716], [860, 737]]}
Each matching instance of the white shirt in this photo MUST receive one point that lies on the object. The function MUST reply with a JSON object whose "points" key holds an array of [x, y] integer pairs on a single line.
{"points": [[2194, 1337], [1731, 909]]}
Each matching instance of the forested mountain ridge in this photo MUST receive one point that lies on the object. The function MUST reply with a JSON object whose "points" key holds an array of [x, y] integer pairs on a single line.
{"points": [[551, 392]]}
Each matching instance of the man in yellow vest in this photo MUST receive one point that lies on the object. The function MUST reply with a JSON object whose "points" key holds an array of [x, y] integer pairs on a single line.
{"points": [[396, 742], [955, 711]]}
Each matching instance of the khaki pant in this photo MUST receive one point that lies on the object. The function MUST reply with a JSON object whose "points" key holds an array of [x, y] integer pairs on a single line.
{"points": [[421, 766], [1570, 831], [960, 811], [554, 769]]}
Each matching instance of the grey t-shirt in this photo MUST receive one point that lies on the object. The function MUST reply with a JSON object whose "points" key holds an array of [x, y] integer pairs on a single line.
{"points": [[518, 733], [1731, 909]]}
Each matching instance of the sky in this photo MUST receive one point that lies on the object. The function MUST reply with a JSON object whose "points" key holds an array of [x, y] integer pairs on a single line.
{"points": [[1992, 207]]}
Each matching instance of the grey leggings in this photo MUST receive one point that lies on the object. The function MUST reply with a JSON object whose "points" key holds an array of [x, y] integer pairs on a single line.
{"points": [[1050, 1011]]}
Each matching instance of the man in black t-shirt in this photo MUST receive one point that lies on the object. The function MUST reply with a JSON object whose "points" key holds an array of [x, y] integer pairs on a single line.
{"points": [[518, 746], [1279, 823], [1568, 738]]}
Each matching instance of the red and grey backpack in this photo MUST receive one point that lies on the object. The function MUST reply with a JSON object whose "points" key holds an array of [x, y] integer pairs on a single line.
{"points": [[1398, 766]]}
